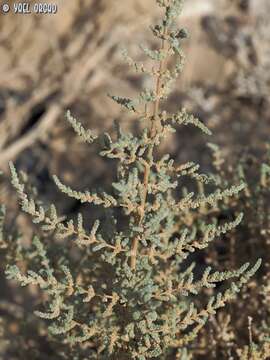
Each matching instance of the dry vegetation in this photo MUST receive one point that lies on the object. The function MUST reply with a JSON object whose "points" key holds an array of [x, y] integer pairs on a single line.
{"points": [[71, 61]]}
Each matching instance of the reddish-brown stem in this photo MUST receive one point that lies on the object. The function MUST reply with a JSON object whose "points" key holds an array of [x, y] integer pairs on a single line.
{"points": [[156, 124], [155, 128]]}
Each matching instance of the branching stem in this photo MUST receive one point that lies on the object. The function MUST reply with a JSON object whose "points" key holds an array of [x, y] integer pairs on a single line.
{"points": [[156, 127], [156, 124]]}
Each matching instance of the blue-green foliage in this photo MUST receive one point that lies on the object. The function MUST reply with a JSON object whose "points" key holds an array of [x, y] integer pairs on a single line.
{"points": [[126, 298]]}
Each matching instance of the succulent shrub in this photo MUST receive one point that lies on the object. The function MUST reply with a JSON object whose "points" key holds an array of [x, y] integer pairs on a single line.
{"points": [[248, 321], [131, 287]]}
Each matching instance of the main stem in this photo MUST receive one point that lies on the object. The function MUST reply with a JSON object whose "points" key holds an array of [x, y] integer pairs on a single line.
{"points": [[155, 129], [156, 123]]}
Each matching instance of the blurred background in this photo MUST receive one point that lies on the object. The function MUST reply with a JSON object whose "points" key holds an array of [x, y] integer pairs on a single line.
{"points": [[72, 59]]}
